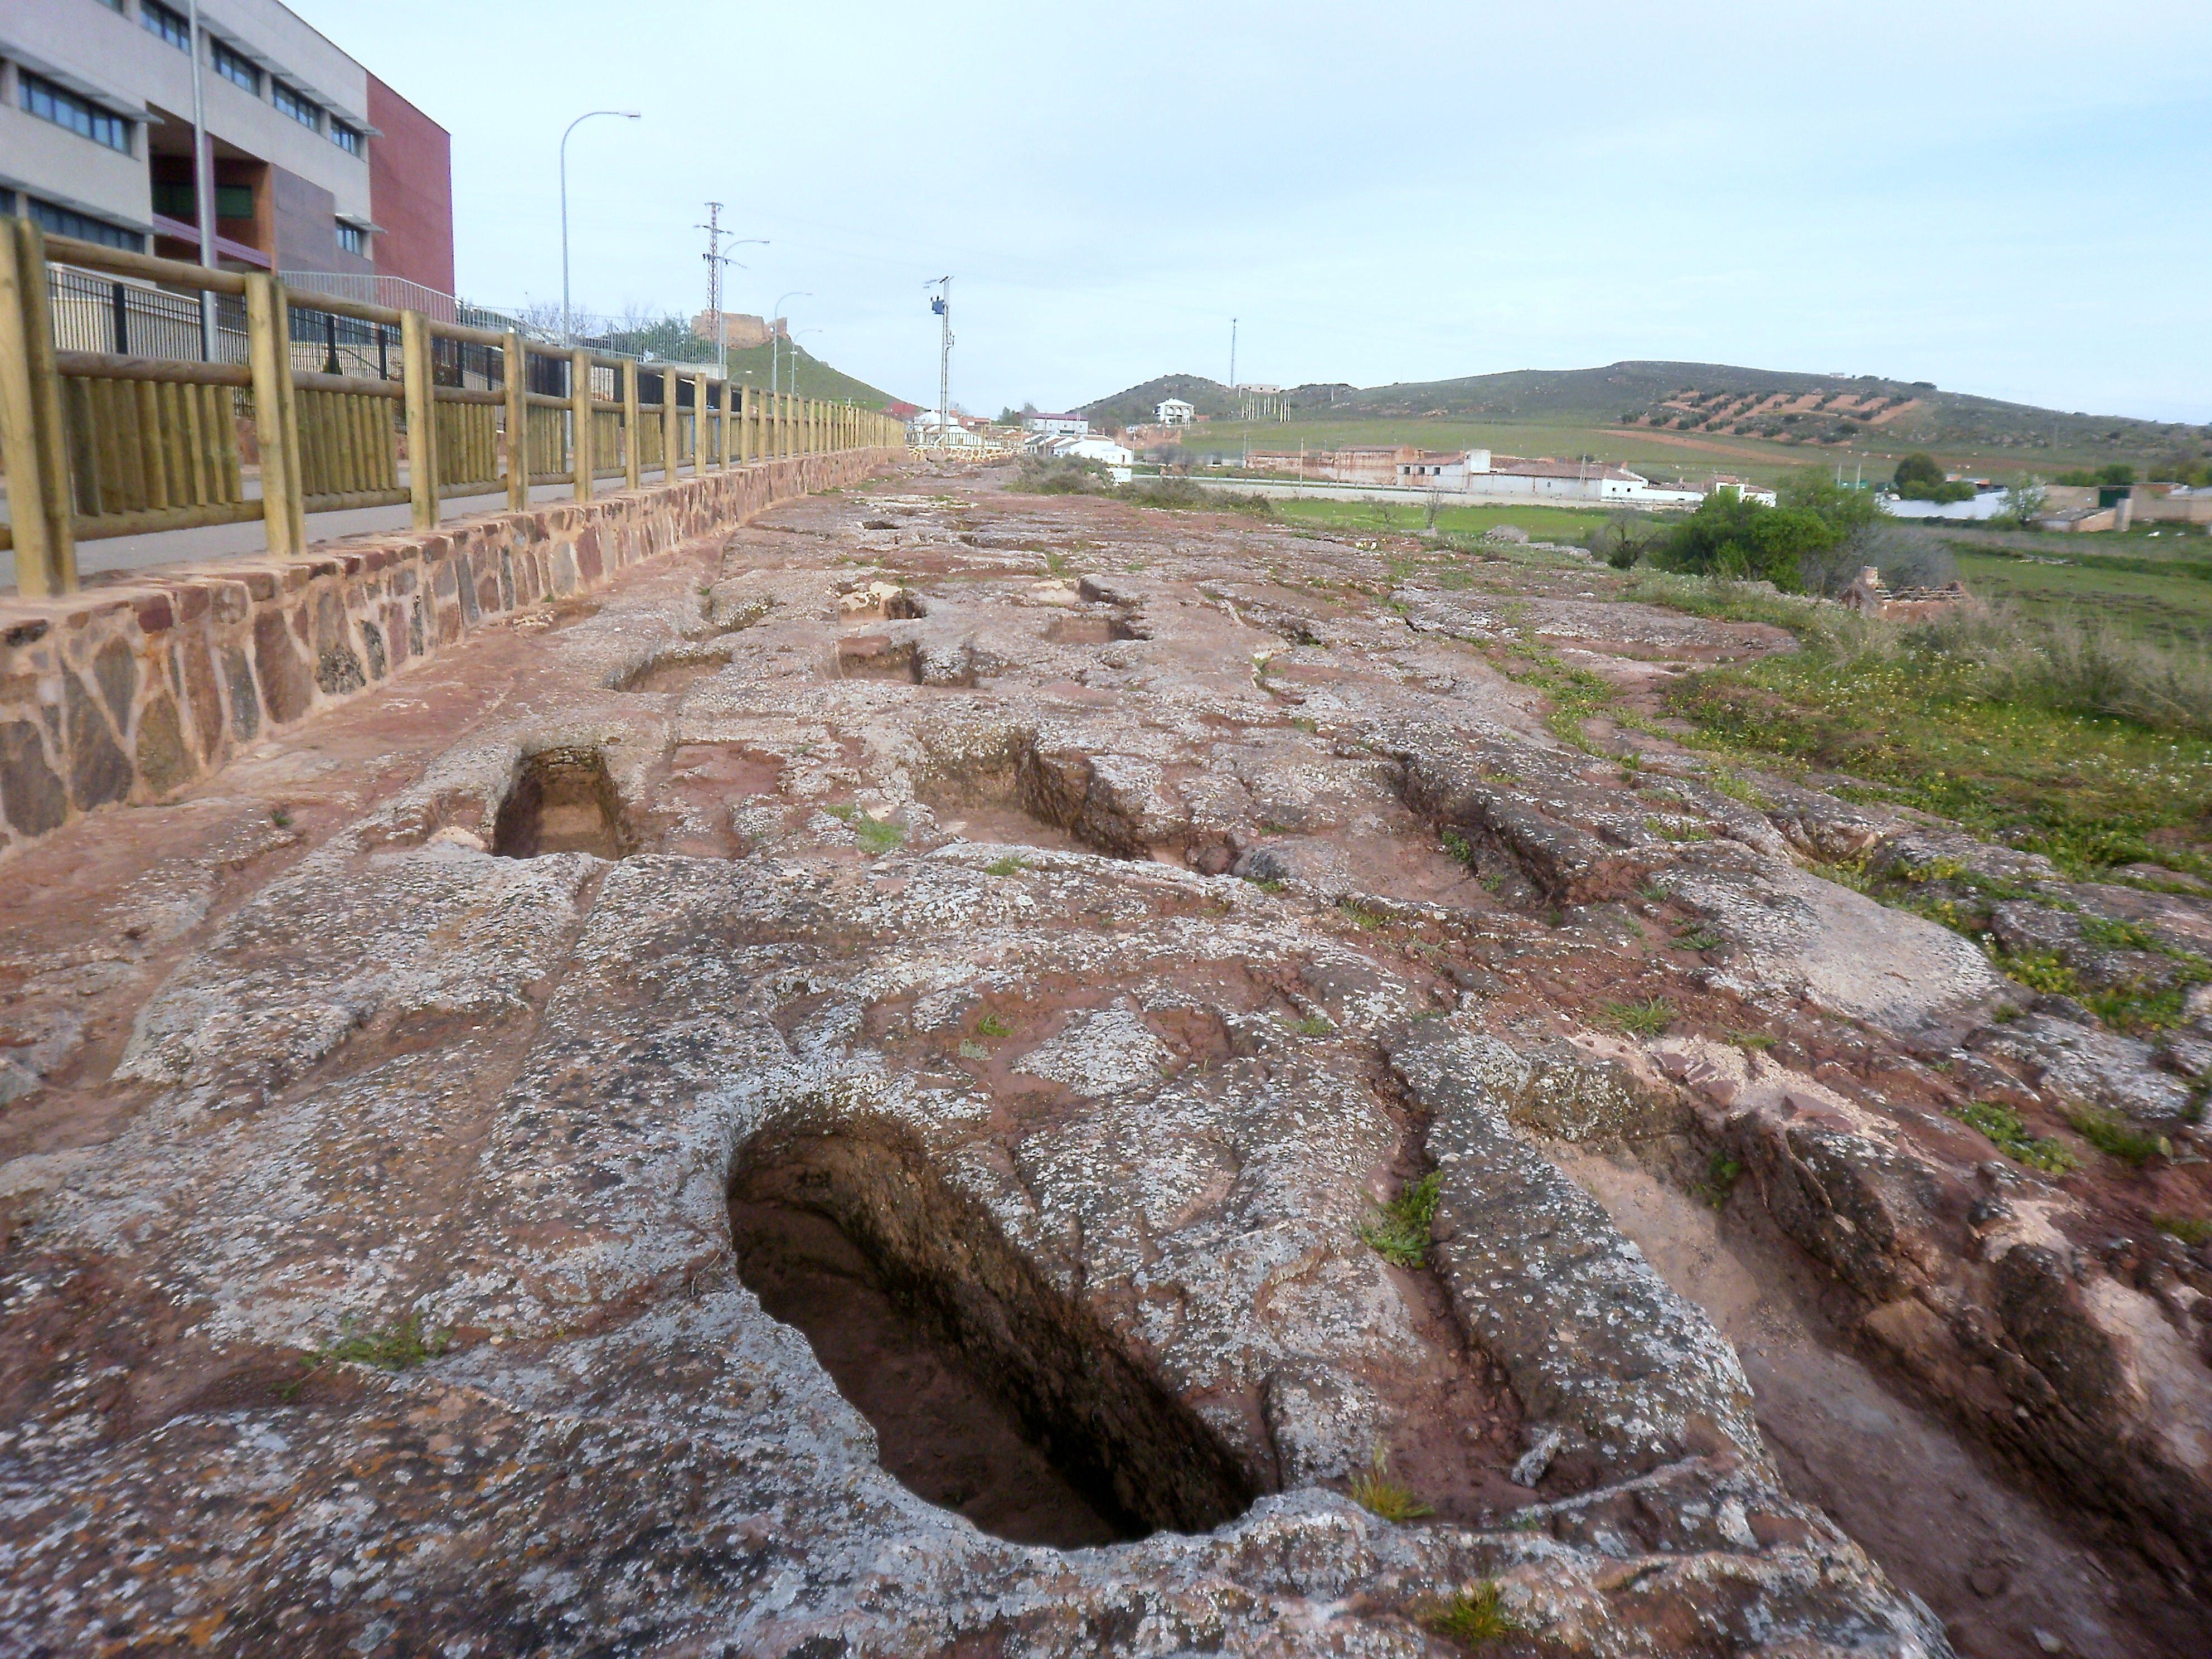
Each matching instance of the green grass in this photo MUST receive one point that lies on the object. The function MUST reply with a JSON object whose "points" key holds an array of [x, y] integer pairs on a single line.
{"points": [[1399, 1231], [1316, 1025], [395, 1348], [2190, 1230], [1722, 1173], [1543, 523], [1927, 728], [1697, 938], [992, 1026], [2175, 605], [2002, 1125], [1472, 1618], [1643, 1019], [2114, 1136], [877, 837], [1005, 867], [1374, 1491]]}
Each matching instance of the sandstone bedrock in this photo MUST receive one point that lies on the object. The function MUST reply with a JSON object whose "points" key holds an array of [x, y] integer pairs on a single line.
{"points": [[1032, 944]]}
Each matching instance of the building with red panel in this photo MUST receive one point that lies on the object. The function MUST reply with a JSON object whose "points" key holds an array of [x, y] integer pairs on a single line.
{"points": [[321, 172]]}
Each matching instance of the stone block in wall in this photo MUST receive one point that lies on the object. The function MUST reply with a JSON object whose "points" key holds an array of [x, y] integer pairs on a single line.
{"points": [[132, 690]]}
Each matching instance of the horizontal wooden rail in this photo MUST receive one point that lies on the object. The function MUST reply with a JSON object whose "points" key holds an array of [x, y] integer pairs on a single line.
{"points": [[100, 444]]}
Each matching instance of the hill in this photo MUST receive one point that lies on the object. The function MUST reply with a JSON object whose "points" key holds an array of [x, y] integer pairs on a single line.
{"points": [[807, 374], [1862, 413]]}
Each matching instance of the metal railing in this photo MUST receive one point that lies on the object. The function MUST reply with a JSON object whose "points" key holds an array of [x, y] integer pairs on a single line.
{"points": [[114, 420]]}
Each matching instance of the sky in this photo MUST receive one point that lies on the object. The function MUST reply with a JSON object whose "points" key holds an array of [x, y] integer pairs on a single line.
{"points": [[2009, 199]]}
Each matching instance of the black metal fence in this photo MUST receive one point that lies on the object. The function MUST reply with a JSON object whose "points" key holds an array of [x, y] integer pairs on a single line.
{"points": [[132, 319]]}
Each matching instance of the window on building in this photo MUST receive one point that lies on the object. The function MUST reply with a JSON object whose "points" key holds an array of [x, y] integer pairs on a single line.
{"points": [[233, 201], [67, 221], [43, 99], [346, 138], [306, 110], [235, 66], [171, 26], [352, 239]]}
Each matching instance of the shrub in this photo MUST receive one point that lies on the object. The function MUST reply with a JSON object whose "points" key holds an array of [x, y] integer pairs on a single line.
{"points": [[1732, 536]]}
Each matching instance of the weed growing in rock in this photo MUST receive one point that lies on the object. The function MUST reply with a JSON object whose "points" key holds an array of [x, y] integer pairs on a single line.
{"points": [[1005, 867], [1749, 1039], [844, 811], [1722, 1173], [396, 1348], [1359, 915], [1265, 885], [992, 1026], [1643, 1019], [1374, 1491], [2114, 1136], [2190, 1230], [1697, 938], [281, 817], [1458, 847], [1471, 1618], [1316, 1026], [2117, 935], [877, 837], [971, 1049], [2002, 1125], [1674, 830], [1399, 1231]]}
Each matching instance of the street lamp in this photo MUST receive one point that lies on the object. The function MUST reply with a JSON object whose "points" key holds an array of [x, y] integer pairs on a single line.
{"points": [[567, 331], [776, 312]]}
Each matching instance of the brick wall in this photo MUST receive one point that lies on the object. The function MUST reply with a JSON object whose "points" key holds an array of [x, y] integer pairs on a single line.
{"points": [[126, 693]]}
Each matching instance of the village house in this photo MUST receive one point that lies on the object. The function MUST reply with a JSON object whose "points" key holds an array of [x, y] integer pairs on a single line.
{"points": [[1057, 426], [1173, 411], [1475, 472]]}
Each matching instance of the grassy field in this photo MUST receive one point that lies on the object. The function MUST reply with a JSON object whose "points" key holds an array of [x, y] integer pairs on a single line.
{"points": [[1543, 523], [2173, 605], [1661, 456], [2004, 723]]}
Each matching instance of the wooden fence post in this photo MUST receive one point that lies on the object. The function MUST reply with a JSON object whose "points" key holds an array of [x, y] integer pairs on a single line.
{"points": [[672, 434], [517, 374], [31, 420], [419, 392], [275, 424], [722, 428], [580, 417], [633, 461]]}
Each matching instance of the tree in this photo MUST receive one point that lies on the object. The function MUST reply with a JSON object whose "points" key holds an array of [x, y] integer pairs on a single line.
{"points": [[1743, 540], [1918, 474], [1840, 506], [2024, 503]]}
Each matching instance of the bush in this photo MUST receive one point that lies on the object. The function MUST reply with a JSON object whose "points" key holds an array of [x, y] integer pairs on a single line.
{"points": [[1741, 540], [1906, 554], [1066, 475]]}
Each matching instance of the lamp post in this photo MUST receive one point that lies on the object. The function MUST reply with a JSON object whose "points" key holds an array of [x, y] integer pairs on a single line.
{"points": [[568, 329], [776, 312]]}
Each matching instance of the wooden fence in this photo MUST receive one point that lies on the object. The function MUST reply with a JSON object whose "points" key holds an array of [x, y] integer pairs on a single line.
{"points": [[100, 444]]}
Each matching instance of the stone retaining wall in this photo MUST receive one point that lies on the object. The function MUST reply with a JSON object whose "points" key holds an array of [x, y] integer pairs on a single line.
{"points": [[128, 692]]}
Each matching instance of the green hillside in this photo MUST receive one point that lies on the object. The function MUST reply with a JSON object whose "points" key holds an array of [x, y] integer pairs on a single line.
{"points": [[1697, 416], [808, 375]]}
